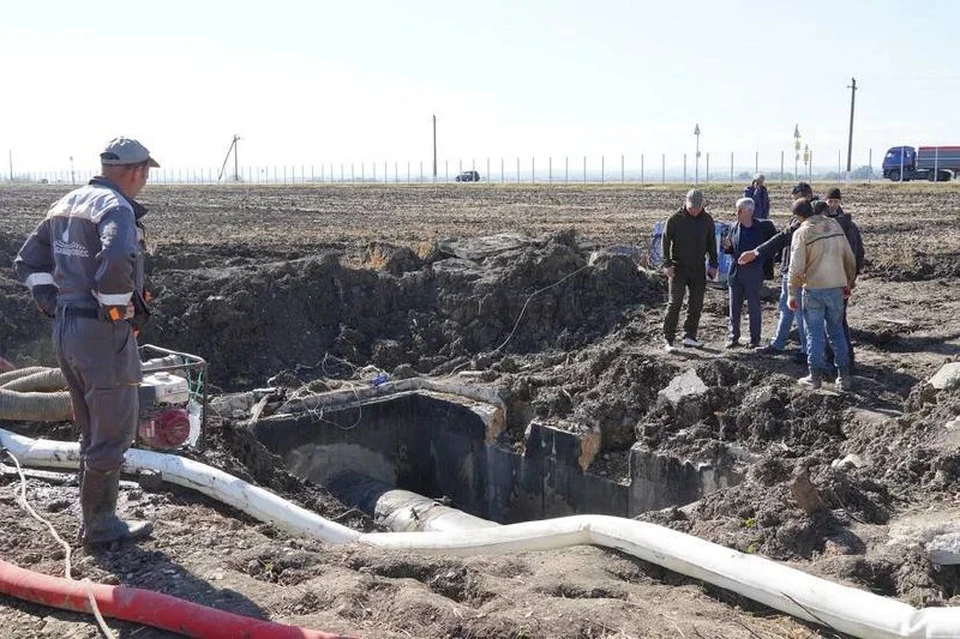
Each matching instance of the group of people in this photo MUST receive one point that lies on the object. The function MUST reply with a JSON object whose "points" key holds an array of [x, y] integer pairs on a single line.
{"points": [[820, 253]]}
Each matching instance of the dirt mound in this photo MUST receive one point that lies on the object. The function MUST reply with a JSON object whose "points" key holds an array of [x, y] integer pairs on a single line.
{"points": [[250, 321]]}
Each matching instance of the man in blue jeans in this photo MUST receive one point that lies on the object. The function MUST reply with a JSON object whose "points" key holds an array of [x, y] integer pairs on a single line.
{"points": [[745, 280], [823, 270], [779, 244]]}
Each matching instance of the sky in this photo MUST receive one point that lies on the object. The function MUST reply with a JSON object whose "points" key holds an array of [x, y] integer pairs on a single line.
{"points": [[321, 82]]}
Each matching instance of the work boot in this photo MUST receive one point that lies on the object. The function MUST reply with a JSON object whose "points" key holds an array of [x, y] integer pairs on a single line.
{"points": [[98, 501], [813, 380], [844, 380]]}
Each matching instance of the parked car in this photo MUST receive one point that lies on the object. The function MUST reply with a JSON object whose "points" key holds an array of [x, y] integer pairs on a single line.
{"points": [[468, 176]]}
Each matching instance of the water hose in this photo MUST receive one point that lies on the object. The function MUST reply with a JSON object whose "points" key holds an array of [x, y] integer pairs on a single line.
{"points": [[856, 612]]}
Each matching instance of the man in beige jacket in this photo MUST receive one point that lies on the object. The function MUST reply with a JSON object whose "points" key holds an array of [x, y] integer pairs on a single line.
{"points": [[824, 270]]}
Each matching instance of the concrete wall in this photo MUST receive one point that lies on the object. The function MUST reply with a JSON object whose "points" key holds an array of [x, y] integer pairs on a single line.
{"points": [[446, 446]]}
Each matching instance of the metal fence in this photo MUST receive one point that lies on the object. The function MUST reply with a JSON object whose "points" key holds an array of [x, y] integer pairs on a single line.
{"points": [[641, 169]]}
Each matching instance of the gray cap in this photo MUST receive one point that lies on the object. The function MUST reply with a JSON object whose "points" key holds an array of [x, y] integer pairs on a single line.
{"points": [[695, 198], [120, 151]]}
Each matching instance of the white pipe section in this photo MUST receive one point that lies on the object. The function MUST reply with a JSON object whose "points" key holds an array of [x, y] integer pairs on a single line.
{"points": [[253, 500], [849, 610]]}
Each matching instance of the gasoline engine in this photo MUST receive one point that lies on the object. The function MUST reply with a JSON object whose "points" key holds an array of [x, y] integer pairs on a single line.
{"points": [[172, 400]]}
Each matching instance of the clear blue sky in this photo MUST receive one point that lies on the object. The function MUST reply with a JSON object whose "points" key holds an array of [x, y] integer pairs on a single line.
{"points": [[312, 82]]}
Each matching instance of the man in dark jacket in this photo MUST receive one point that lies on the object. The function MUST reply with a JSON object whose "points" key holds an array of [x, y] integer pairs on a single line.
{"points": [[689, 236], [746, 280], [852, 231], [779, 244], [84, 266], [757, 191]]}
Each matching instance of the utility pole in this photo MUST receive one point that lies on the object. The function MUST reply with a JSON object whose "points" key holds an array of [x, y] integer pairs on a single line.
{"points": [[434, 147], [853, 98], [696, 171]]}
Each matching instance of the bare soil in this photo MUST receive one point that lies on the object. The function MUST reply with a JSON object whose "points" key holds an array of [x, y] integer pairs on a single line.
{"points": [[555, 313]]}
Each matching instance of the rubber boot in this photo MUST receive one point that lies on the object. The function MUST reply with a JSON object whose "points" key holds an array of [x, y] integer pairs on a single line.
{"points": [[98, 501]]}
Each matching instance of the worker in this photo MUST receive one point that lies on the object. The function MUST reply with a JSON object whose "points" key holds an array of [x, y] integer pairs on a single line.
{"points": [[84, 266], [757, 191], [745, 281]]}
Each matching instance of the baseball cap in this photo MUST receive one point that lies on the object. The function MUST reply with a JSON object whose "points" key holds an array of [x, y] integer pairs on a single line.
{"points": [[120, 151], [801, 187], [695, 198]]}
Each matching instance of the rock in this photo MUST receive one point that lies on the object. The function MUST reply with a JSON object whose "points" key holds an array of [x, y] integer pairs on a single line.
{"points": [[685, 385], [806, 494], [944, 550], [852, 460], [947, 377]]}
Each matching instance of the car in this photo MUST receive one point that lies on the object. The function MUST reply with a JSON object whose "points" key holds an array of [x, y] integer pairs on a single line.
{"points": [[468, 176]]}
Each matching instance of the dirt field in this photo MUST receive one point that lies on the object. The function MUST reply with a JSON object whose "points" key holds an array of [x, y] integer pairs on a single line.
{"points": [[263, 281]]}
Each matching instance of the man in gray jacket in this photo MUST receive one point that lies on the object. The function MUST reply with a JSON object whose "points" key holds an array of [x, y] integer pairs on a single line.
{"points": [[84, 266]]}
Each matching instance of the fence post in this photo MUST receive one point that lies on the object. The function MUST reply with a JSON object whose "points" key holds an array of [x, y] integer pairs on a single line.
{"points": [[566, 169], [603, 169], [641, 169], [684, 168], [533, 170], [707, 177], [623, 176], [488, 169], [781, 167], [756, 162], [870, 162], [518, 170], [584, 169], [550, 169], [663, 168], [421, 171], [503, 175]]}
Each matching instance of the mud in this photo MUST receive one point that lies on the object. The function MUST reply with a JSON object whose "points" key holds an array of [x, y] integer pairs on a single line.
{"points": [[531, 291]]}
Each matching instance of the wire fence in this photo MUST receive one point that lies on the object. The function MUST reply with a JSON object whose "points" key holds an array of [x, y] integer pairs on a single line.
{"points": [[641, 169]]}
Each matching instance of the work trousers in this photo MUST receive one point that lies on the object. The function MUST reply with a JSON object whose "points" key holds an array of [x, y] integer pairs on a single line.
{"points": [[745, 285], [683, 280], [101, 364]]}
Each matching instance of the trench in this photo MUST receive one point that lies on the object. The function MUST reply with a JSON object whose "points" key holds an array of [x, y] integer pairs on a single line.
{"points": [[448, 443]]}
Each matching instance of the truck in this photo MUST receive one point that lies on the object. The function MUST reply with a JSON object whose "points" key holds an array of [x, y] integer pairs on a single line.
{"points": [[934, 163]]}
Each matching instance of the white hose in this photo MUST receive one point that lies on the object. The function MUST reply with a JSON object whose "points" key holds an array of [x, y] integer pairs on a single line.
{"points": [[842, 608]]}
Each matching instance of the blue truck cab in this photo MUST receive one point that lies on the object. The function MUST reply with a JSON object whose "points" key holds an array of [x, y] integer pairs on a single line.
{"points": [[934, 163]]}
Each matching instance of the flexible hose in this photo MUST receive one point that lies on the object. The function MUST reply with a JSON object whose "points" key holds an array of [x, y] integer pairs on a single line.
{"points": [[35, 407], [20, 372], [849, 610], [45, 381], [144, 607]]}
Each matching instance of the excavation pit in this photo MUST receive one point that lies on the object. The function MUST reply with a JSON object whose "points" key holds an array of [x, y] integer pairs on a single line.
{"points": [[448, 442]]}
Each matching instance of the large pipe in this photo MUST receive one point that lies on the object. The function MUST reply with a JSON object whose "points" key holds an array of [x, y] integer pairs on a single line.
{"points": [[850, 610], [17, 373], [144, 607]]}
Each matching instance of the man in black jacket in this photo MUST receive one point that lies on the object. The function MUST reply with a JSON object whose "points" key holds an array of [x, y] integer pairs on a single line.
{"points": [[852, 231], [689, 237], [746, 280]]}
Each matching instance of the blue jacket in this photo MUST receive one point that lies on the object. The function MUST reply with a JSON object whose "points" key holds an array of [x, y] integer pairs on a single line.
{"points": [[90, 247], [767, 231], [761, 200]]}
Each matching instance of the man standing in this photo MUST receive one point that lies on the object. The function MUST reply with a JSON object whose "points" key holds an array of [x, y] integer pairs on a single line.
{"points": [[689, 236], [84, 266], [852, 231], [757, 191], [824, 270], [745, 281], [780, 245]]}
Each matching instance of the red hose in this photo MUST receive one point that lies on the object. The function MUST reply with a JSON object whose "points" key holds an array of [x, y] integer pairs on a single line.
{"points": [[144, 607]]}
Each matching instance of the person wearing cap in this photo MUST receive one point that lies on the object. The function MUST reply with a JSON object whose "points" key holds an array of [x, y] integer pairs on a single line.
{"points": [[779, 246], [757, 191], [852, 231], [689, 238], [823, 271], [745, 281], [84, 266]]}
